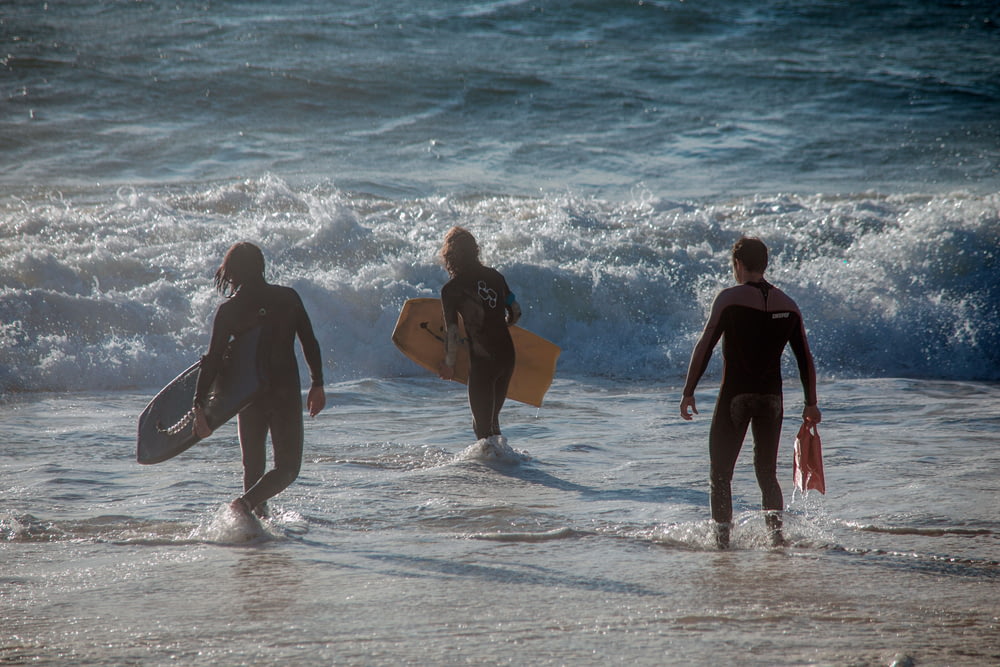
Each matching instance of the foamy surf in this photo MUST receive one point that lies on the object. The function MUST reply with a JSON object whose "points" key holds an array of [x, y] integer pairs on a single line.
{"points": [[748, 533], [79, 318], [493, 450], [226, 526], [527, 536]]}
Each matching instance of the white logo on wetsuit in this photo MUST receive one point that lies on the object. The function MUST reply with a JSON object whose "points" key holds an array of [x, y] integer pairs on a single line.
{"points": [[486, 294]]}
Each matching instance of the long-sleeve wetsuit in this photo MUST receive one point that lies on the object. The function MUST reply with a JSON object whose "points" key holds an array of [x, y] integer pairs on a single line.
{"points": [[757, 320], [481, 296], [279, 410]]}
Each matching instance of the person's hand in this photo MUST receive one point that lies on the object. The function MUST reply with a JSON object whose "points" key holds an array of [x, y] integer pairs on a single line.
{"points": [[811, 413], [687, 407], [316, 401], [513, 313], [201, 428], [446, 372]]}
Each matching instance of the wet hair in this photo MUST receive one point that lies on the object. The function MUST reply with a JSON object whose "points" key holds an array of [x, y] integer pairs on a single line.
{"points": [[244, 263], [460, 251], [752, 253]]}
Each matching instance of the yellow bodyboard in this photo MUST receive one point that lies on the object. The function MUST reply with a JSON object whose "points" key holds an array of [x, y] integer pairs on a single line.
{"points": [[420, 334]]}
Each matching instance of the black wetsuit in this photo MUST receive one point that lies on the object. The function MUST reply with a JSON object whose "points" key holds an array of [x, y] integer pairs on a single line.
{"points": [[758, 320], [482, 298], [279, 410]]}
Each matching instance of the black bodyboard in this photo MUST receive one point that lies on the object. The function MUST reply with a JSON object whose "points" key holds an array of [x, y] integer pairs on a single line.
{"points": [[166, 426]]}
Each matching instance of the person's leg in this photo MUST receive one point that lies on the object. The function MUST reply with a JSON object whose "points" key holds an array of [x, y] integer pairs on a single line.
{"points": [[286, 442], [252, 429], [724, 443], [481, 387], [500, 386], [766, 427]]}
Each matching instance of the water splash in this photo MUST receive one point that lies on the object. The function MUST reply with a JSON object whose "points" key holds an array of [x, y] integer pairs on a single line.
{"points": [[226, 526], [493, 450]]}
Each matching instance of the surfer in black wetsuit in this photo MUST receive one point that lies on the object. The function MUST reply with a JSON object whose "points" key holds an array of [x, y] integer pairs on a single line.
{"points": [[279, 310], [487, 307], [757, 320]]}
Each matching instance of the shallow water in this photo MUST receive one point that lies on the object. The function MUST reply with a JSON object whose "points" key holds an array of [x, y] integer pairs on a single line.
{"points": [[588, 541]]}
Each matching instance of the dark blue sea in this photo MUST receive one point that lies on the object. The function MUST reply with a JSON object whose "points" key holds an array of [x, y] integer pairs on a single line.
{"points": [[607, 155]]}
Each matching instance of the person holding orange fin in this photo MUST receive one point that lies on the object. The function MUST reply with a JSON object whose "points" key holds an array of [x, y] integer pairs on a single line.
{"points": [[755, 320]]}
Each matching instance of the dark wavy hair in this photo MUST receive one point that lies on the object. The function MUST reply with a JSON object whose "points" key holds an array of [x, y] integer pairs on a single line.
{"points": [[243, 264], [752, 252], [460, 251]]}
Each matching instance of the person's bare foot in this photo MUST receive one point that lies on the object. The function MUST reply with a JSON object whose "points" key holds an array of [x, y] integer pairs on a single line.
{"points": [[240, 507]]}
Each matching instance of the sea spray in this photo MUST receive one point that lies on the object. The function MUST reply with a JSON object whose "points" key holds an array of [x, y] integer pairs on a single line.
{"points": [[116, 292]]}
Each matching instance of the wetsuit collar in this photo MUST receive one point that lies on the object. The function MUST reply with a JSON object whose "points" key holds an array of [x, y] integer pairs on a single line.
{"points": [[762, 285], [764, 288]]}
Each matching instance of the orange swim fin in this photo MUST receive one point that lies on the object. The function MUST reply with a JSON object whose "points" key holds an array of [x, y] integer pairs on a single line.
{"points": [[807, 464]]}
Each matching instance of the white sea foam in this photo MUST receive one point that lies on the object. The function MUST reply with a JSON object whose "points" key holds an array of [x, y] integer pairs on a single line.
{"points": [[226, 526], [117, 293], [493, 450]]}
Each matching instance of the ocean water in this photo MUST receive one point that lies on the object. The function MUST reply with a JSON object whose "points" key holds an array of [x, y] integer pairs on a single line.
{"points": [[606, 155]]}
